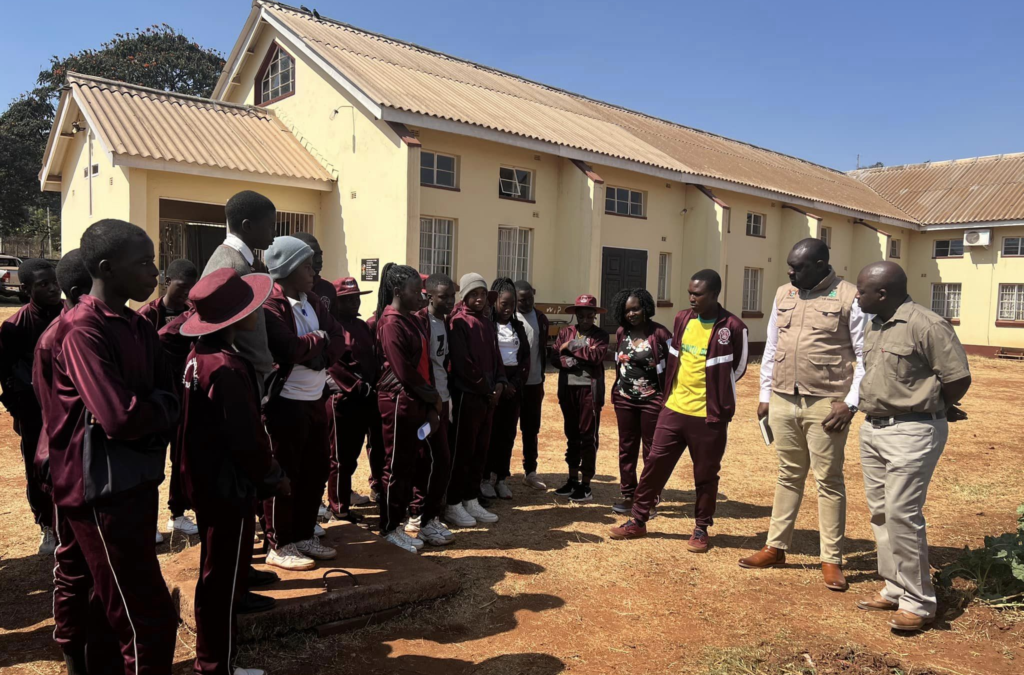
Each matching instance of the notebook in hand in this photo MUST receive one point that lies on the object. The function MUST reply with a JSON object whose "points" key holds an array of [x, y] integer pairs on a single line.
{"points": [[766, 431]]}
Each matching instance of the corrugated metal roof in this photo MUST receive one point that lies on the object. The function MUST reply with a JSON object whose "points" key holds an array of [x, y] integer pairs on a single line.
{"points": [[138, 122], [411, 78], [975, 190]]}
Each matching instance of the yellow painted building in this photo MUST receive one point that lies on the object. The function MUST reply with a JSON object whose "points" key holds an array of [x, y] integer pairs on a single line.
{"points": [[392, 152]]}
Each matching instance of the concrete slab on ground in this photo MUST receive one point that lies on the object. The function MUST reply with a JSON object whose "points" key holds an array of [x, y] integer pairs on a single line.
{"points": [[387, 576]]}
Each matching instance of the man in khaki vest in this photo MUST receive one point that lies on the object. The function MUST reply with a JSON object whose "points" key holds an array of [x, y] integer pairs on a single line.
{"points": [[810, 381]]}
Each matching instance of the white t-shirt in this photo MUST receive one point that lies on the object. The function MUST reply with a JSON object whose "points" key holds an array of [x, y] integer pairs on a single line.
{"points": [[304, 384], [508, 344], [438, 354]]}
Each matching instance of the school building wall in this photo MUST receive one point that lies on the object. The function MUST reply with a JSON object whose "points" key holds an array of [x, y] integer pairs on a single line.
{"points": [[109, 187]]}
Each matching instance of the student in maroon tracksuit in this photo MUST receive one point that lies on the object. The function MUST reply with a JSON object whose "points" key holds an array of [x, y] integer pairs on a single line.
{"points": [[514, 348], [638, 392], [322, 288], [579, 353], [536, 324], [18, 337], [226, 460], [354, 413], [182, 275], [304, 340], [107, 421], [406, 395], [707, 356], [477, 382]]}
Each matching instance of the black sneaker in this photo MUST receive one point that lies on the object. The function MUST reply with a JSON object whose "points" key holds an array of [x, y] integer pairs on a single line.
{"points": [[261, 577], [623, 506], [582, 493], [567, 489], [252, 603]]}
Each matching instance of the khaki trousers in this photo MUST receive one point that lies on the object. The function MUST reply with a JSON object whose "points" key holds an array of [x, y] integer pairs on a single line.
{"points": [[898, 463], [803, 445]]}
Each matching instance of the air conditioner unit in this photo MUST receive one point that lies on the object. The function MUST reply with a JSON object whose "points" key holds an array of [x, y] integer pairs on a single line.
{"points": [[977, 238]]}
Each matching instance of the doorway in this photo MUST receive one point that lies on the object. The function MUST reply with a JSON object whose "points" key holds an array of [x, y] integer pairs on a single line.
{"points": [[620, 268]]}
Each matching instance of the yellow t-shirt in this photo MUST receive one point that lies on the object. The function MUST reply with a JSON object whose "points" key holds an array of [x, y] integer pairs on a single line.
{"points": [[689, 395]]}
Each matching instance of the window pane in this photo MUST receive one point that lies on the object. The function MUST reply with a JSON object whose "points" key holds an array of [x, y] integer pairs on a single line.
{"points": [[446, 178], [609, 204], [445, 163], [622, 207], [956, 247], [636, 210], [1011, 246], [506, 173], [427, 159], [622, 194], [427, 176], [941, 249], [636, 197]]}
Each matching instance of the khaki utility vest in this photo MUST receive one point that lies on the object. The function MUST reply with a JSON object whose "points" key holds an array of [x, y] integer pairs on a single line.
{"points": [[814, 355]]}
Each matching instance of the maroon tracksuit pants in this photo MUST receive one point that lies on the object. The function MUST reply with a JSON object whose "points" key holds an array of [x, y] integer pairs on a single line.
{"points": [[529, 424], [401, 417], [224, 557], [470, 435], [352, 422], [503, 436], [177, 502], [637, 422], [675, 433], [300, 440], [433, 469], [30, 426], [582, 425], [117, 543]]}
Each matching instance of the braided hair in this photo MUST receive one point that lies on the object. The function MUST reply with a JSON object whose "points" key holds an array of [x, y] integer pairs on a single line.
{"points": [[392, 277], [502, 285], [619, 304]]}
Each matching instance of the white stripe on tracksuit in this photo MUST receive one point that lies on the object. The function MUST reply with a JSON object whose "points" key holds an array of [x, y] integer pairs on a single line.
{"points": [[135, 645]]}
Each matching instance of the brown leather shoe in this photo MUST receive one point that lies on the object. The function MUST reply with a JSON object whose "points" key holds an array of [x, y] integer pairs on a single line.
{"points": [[877, 604], [769, 556], [903, 620], [834, 579]]}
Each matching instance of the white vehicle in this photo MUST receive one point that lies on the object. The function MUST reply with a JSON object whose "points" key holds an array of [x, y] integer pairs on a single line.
{"points": [[9, 272]]}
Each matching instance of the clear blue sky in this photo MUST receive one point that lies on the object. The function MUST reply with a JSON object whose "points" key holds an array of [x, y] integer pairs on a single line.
{"points": [[895, 81]]}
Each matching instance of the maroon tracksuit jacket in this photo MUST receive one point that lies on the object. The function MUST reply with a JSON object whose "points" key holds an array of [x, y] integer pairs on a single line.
{"points": [[581, 404], [110, 364], [155, 312], [434, 466], [225, 458], [405, 394], [506, 414], [177, 348], [533, 399], [324, 290]]}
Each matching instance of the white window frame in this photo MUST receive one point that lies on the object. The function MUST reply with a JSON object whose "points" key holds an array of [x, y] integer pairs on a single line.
{"points": [[949, 248], [515, 254], [752, 225], [1011, 302], [276, 67], [437, 248], [826, 236], [513, 188], [895, 248], [613, 193], [664, 277], [946, 299], [434, 171], [752, 295], [1019, 247]]}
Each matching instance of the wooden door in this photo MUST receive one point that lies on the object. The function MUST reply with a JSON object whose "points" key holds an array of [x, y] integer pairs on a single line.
{"points": [[620, 268]]}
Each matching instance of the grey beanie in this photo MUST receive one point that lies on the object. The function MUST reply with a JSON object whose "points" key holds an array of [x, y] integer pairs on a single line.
{"points": [[470, 281], [285, 254]]}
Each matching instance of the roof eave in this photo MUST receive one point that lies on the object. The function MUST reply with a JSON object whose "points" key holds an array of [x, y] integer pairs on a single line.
{"points": [[321, 184], [981, 224], [236, 56]]}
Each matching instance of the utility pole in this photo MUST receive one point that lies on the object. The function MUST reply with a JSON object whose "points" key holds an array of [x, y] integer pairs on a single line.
{"points": [[858, 160], [49, 234]]}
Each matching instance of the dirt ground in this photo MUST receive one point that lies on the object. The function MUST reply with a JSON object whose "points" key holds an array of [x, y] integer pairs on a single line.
{"points": [[546, 591]]}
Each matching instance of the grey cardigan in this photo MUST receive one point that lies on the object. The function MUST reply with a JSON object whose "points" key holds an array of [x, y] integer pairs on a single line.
{"points": [[252, 346]]}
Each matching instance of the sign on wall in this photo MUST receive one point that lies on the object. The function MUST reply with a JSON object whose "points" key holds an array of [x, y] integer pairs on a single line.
{"points": [[370, 269]]}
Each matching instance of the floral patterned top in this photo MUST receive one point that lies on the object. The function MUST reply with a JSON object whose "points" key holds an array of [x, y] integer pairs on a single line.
{"points": [[638, 373]]}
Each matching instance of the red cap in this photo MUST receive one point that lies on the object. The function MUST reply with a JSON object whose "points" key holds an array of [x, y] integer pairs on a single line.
{"points": [[222, 298], [585, 301], [348, 286]]}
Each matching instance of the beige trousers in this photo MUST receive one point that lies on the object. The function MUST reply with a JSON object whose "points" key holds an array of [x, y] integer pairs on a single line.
{"points": [[803, 445], [898, 463]]}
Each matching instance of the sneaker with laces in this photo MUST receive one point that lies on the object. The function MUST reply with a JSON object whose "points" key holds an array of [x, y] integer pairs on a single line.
{"points": [[481, 514], [456, 514], [356, 499], [502, 489], [289, 558], [312, 548], [398, 539], [487, 489], [322, 513], [432, 534], [414, 525], [182, 524], [533, 481], [318, 530], [415, 542], [624, 506], [698, 542], [445, 532], [631, 529], [47, 541], [567, 489], [249, 671], [582, 494]]}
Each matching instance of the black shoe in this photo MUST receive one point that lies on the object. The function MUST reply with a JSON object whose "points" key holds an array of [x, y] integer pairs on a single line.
{"points": [[260, 578], [582, 493], [567, 489], [348, 517], [252, 603], [485, 502]]}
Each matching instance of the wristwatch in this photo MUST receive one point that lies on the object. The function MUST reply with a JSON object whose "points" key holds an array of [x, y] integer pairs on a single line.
{"points": [[854, 409]]}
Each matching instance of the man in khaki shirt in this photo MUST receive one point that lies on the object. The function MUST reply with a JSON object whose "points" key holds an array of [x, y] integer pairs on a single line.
{"points": [[915, 372]]}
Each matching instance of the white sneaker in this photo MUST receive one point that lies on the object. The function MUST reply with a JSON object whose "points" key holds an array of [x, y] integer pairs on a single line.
{"points": [[413, 525], [322, 513], [474, 509], [47, 542], [159, 537], [415, 542], [289, 558], [319, 531], [182, 524], [487, 489], [445, 532], [312, 548], [534, 482], [358, 500], [398, 539], [458, 516], [433, 534], [502, 489], [249, 671]]}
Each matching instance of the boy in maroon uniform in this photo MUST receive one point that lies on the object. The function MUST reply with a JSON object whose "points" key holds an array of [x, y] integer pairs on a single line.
{"points": [[579, 356], [225, 461], [182, 275], [536, 324], [478, 381], [107, 419], [18, 337]]}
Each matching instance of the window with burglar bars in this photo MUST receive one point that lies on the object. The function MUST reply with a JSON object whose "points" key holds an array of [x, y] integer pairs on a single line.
{"points": [[278, 77], [663, 272], [437, 169], [515, 183], [946, 300], [752, 289], [826, 236], [1011, 302], [288, 223], [437, 241], [894, 248], [624, 202], [514, 253]]}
